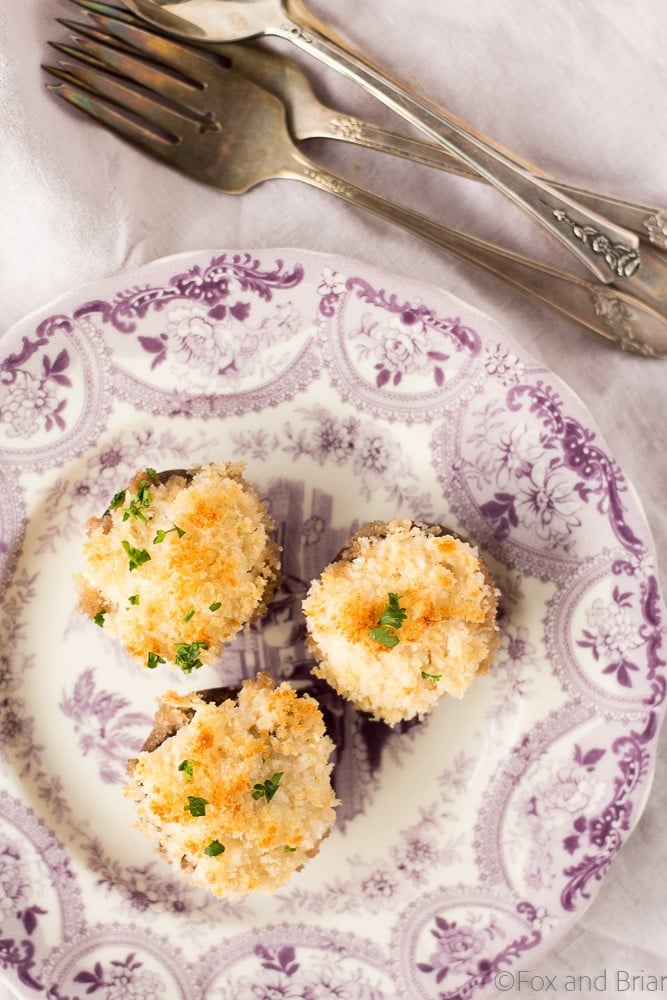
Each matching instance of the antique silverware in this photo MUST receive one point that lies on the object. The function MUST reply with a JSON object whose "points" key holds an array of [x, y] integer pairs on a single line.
{"points": [[181, 106], [609, 251], [309, 118]]}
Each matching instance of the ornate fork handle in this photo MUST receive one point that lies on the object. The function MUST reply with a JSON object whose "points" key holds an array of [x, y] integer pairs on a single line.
{"points": [[610, 314], [648, 222], [610, 252]]}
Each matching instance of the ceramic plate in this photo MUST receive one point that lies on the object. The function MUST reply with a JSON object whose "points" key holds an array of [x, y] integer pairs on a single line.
{"points": [[465, 844]]}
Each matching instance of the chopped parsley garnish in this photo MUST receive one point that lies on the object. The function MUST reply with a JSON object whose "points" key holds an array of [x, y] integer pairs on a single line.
{"points": [[137, 556], [153, 659], [267, 789], [139, 503], [215, 606], [117, 500], [431, 677], [99, 617], [385, 637], [393, 615], [188, 615], [187, 655], [392, 618], [133, 599], [196, 805], [289, 850], [214, 848], [187, 766], [161, 534]]}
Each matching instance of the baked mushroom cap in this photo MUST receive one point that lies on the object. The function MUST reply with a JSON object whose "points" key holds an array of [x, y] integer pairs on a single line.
{"points": [[236, 791], [179, 563], [405, 614]]}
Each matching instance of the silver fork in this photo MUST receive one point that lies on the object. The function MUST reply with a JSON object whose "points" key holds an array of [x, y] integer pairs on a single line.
{"points": [[179, 105], [606, 249], [309, 118]]}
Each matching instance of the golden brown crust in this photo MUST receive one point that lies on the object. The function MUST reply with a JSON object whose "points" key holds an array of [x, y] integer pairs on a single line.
{"points": [[448, 635], [217, 751], [210, 564]]}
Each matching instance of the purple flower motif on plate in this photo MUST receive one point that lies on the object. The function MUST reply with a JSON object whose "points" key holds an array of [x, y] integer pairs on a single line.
{"points": [[502, 364], [376, 459], [15, 882], [121, 979], [458, 947], [104, 727], [559, 793], [547, 503], [285, 975], [514, 670], [403, 346], [29, 402], [612, 635]]}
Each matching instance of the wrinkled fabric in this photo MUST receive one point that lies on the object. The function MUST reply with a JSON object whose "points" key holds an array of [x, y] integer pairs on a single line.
{"points": [[577, 87]]}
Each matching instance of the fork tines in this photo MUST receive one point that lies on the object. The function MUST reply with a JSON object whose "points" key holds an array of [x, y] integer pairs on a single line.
{"points": [[128, 78]]}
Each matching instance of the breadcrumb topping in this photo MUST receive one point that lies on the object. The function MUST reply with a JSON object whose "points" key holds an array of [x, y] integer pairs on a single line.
{"points": [[404, 615], [175, 568], [240, 796]]}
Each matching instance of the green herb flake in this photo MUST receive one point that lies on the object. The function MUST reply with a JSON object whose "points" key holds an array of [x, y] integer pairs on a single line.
{"points": [[117, 500], [162, 533], [431, 677], [384, 637], [141, 502], [136, 556], [392, 617], [99, 617], [187, 766], [187, 655], [289, 850], [188, 615], [196, 805], [133, 599], [215, 606], [153, 659], [267, 789], [214, 848]]}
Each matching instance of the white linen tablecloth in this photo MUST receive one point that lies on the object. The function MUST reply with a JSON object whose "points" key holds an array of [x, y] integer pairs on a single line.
{"points": [[578, 87]]}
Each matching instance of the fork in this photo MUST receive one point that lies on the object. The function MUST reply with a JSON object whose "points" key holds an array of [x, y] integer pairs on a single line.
{"points": [[607, 250], [309, 118], [181, 106]]}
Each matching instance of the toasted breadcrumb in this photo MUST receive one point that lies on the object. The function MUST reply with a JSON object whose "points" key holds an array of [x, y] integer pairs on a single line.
{"points": [[230, 751], [175, 568], [448, 634]]}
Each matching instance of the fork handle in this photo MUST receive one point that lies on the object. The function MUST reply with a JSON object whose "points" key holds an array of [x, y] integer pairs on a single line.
{"points": [[648, 222], [609, 314], [607, 250]]}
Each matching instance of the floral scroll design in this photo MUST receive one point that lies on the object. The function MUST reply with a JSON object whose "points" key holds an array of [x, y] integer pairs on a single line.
{"points": [[459, 948], [119, 979], [604, 831], [282, 974], [557, 475], [31, 394], [212, 286], [209, 330], [414, 340]]}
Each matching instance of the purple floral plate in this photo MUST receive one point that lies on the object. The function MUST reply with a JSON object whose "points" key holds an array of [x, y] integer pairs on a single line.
{"points": [[466, 844]]}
